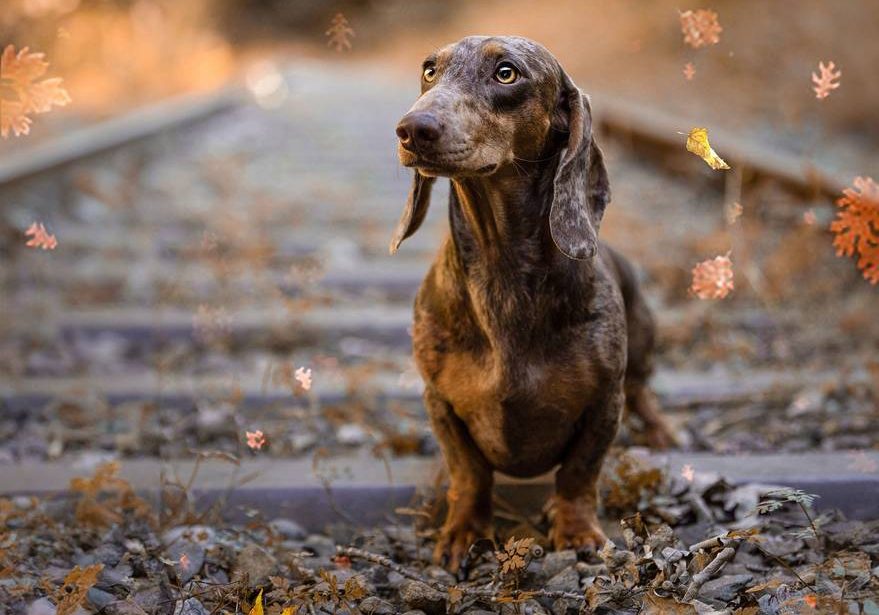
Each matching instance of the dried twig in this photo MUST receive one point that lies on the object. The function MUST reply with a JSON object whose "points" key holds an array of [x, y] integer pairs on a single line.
{"points": [[702, 577]]}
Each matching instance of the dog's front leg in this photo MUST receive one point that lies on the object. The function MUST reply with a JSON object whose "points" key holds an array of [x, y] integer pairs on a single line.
{"points": [[574, 508], [470, 484]]}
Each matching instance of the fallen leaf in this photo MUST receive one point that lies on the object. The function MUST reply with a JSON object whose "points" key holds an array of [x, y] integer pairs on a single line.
{"points": [[77, 583], [688, 473], [713, 278], [809, 218], [303, 376], [257, 606], [697, 143], [857, 226], [40, 237], [826, 81], [255, 439], [19, 73], [339, 34], [733, 213], [700, 28]]}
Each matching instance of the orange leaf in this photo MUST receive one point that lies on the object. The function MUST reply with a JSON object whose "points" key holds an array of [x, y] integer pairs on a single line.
{"points": [[19, 73], [700, 28], [856, 226], [713, 279]]}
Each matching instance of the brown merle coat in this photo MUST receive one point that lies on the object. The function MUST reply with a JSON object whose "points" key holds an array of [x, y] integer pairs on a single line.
{"points": [[529, 333]]}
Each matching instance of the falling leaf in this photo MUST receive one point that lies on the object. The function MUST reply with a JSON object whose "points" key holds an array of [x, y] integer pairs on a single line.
{"points": [[339, 33], [689, 71], [19, 73], [40, 237], [713, 278], [303, 376], [733, 213], [255, 439], [697, 143], [257, 606], [184, 561], [811, 600], [688, 473], [809, 218], [826, 81], [77, 583], [857, 226], [700, 28]]}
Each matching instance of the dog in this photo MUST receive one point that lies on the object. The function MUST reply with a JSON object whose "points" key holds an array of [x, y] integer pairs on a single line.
{"points": [[530, 335]]}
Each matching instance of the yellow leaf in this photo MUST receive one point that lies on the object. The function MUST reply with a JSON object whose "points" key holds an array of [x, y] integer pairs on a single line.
{"points": [[290, 610], [697, 142], [257, 606]]}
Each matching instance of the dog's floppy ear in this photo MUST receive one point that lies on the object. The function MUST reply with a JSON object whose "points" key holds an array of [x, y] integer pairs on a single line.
{"points": [[416, 209], [581, 189]]}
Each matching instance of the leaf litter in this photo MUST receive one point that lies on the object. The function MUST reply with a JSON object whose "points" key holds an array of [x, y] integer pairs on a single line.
{"points": [[702, 546]]}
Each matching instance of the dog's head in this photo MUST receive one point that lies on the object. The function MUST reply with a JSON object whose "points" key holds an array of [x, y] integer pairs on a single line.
{"points": [[490, 102]]}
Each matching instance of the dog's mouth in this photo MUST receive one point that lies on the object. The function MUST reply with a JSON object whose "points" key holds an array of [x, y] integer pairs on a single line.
{"points": [[444, 163]]}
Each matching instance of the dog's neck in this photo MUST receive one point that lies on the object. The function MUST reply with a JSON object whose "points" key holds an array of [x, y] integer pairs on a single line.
{"points": [[501, 218], [505, 261]]}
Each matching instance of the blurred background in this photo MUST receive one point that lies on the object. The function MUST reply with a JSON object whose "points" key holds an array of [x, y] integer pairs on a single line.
{"points": [[200, 265]]}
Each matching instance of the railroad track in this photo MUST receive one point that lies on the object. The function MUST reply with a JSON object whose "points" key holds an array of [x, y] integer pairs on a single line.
{"points": [[207, 245]]}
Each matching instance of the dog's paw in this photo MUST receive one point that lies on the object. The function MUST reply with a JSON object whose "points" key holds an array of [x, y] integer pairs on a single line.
{"points": [[587, 537], [575, 526], [454, 542], [660, 437]]}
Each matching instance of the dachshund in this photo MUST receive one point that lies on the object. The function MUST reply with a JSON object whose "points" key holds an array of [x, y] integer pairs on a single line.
{"points": [[531, 335]]}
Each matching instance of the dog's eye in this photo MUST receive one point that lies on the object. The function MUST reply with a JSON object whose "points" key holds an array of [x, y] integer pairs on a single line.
{"points": [[506, 74], [429, 73]]}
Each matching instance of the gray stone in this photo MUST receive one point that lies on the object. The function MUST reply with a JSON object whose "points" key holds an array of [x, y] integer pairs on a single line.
{"points": [[189, 540], [255, 564], [288, 528], [41, 606], [566, 581], [190, 606], [724, 589], [373, 605], [556, 561], [321, 545], [420, 596], [100, 599]]}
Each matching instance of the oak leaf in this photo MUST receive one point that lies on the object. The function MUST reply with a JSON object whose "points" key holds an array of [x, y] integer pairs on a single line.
{"points": [[77, 583], [856, 226], [19, 74], [339, 33], [826, 81], [700, 28], [713, 278], [697, 143], [40, 237]]}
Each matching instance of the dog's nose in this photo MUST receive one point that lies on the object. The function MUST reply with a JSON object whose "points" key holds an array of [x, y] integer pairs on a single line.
{"points": [[418, 128]]}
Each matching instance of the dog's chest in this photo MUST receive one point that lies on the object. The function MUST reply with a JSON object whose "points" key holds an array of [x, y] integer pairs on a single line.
{"points": [[520, 410]]}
